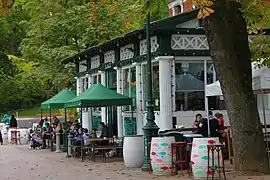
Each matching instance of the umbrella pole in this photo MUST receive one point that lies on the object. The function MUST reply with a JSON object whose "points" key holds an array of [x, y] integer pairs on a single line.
{"points": [[132, 117], [51, 129], [40, 113], [81, 117], [265, 127], [207, 116], [66, 132]]}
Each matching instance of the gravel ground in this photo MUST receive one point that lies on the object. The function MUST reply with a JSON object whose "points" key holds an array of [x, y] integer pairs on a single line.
{"points": [[18, 162]]}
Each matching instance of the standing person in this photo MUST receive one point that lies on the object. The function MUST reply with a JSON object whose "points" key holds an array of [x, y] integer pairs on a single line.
{"points": [[104, 130], [1, 138], [13, 122], [214, 125], [221, 120], [6, 119]]}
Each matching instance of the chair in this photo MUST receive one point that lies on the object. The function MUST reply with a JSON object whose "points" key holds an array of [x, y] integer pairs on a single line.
{"points": [[215, 161], [179, 157]]}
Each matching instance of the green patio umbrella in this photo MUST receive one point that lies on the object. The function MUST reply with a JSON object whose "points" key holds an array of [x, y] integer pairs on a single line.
{"points": [[99, 96], [58, 102]]}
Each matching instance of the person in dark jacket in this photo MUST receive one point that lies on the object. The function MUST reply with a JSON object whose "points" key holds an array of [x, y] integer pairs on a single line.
{"points": [[104, 130], [1, 138], [214, 126], [13, 122]]}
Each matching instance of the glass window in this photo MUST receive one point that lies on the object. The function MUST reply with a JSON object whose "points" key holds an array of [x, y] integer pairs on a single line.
{"points": [[156, 98], [129, 86], [95, 80], [189, 80]]}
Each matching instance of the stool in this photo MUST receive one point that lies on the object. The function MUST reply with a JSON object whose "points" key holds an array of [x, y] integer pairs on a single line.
{"points": [[179, 156], [218, 165], [13, 137]]}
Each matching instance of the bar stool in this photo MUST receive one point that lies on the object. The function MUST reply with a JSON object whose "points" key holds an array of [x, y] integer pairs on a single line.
{"points": [[179, 157], [13, 137], [215, 161]]}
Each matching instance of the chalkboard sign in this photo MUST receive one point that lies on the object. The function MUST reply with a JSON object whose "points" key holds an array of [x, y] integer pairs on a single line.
{"points": [[96, 120], [130, 125]]}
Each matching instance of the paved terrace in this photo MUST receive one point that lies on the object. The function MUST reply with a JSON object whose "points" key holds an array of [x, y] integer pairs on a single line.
{"points": [[18, 162]]}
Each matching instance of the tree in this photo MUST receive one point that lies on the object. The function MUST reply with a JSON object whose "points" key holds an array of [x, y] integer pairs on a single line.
{"points": [[226, 26]]}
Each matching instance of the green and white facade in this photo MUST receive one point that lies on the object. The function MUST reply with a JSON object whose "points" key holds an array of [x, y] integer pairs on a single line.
{"points": [[181, 69]]}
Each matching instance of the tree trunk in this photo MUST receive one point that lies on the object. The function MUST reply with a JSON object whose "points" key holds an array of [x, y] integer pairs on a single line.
{"points": [[226, 31]]}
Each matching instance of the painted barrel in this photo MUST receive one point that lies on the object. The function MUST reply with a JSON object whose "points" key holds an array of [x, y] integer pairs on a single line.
{"points": [[161, 155], [133, 151], [199, 156], [24, 135]]}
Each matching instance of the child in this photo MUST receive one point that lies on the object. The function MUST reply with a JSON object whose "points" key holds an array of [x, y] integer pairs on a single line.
{"points": [[78, 136], [86, 136], [93, 133]]}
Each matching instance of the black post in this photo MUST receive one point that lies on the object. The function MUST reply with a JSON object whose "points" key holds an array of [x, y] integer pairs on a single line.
{"points": [[40, 113], [65, 135], [150, 129], [50, 129]]}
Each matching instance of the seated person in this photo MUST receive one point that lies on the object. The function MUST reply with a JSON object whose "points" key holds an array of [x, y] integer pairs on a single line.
{"points": [[86, 136], [78, 136], [93, 133], [197, 122]]}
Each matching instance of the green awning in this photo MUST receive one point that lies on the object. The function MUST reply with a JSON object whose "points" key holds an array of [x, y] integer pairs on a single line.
{"points": [[99, 96], [59, 100]]}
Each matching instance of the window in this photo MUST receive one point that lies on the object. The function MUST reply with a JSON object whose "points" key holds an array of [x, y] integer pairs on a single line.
{"points": [[129, 86], [96, 78], [156, 98], [189, 79], [178, 9]]}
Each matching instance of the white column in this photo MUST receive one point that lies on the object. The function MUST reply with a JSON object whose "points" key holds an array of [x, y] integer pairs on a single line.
{"points": [[58, 148], [78, 85], [69, 146], [103, 109], [90, 125], [78, 90], [120, 125], [139, 108], [165, 92]]}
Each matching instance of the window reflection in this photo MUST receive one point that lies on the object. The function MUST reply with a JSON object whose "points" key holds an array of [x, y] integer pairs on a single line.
{"points": [[189, 80], [156, 98], [129, 86]]}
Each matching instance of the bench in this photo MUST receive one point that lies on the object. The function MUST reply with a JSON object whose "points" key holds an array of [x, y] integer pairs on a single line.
{"points": [[104, 150]]}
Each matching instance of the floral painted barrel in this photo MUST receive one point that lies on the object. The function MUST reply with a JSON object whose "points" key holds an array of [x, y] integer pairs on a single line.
{"points": [[199, 157], [161, 155]]}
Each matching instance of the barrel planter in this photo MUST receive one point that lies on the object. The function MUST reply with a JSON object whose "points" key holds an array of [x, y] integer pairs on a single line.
{"points": [[161, 155], [199, 156], [133, 151]]}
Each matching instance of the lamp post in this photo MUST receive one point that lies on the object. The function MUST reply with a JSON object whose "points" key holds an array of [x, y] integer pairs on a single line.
{"points": [[150, 129]]}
